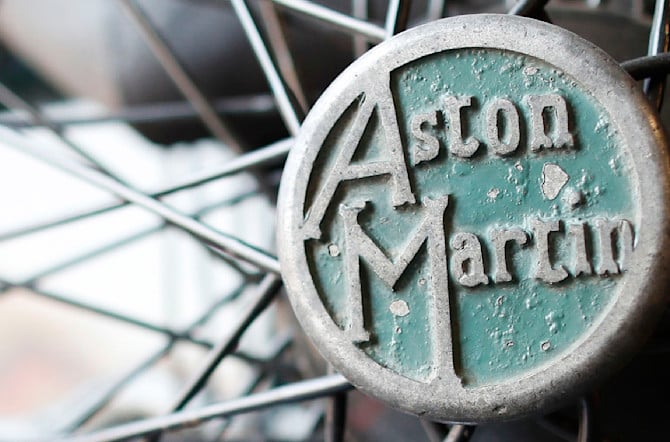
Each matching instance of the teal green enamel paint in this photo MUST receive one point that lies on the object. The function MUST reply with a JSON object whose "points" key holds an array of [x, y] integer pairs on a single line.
{"points": [[501, 329], [400, 343]]}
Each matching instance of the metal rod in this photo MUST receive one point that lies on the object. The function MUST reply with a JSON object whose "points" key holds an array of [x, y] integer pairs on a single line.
{"points": [[435, 432], [397, 15], [123, 241], [295, 392], [118, 243], [435, 10], [648, 66], [586, 427], [45, 225], [266, 370], [179, 76], [172, 334], [213, 308], [372, 32], [13, 101], [280, 48], [555, 429], [359, 9], [228, 243], [528, 8], [264, 294], [114, 315], [148, 113], [455, 434], [659, 39], [97, 251], [248, 276], [286, 109], [336, 417], [111, 391], [269, 155]]}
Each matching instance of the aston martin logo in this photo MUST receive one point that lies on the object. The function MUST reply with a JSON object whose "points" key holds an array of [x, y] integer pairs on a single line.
{"points": [[614, 236], [458, 216]]}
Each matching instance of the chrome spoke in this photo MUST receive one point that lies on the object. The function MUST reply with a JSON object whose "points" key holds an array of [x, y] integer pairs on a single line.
{"points": [[336, 417], [12, 101], [456, 433], [116, 387], [90, 254], [374, 33], [270, 155], [359, 9], [179, 76], [649, 66], [286, 108], [228, 243], [266, 370], [91, 308], [257, 104], [113, 390], [528, 7], [659, 41], [435, 10], [280, 49], [435, 432], [586, 427], [264, 294], [115, 244], [396, 17], [267, 156], [296, 392]]}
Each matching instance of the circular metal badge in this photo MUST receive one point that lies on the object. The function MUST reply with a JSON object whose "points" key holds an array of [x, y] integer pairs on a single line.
{"points": [[473, 221]]}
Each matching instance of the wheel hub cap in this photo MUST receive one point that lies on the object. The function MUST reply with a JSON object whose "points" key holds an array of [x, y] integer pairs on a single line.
{"points": [[472, 221]]}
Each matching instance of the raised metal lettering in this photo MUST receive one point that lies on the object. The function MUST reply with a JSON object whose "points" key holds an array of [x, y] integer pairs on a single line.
{"points": [[626, 244], [457, 145], [606, 262], [343, 170], [359, 246], [500, 238], [580, 260], [494, 124], [467, 263], [428, 145], [538, 126], [543, 267]]}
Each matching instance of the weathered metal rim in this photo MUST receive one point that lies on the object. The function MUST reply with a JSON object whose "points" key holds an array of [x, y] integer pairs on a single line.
{"points": [[640, 297]]}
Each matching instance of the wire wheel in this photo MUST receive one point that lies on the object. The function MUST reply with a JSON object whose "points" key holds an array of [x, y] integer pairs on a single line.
{"points": [[171, 250]]}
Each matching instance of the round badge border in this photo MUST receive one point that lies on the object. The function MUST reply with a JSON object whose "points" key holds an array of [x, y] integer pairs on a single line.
{"points": [[640, 292]]}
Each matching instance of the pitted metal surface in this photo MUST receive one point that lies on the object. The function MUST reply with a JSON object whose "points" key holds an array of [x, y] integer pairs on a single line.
{"points": [[472, 224]]}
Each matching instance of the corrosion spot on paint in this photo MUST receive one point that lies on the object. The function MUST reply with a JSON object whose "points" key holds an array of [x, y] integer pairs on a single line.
{"points": [[333, 250], [493, 193], [553, 180], [399, 308]]}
